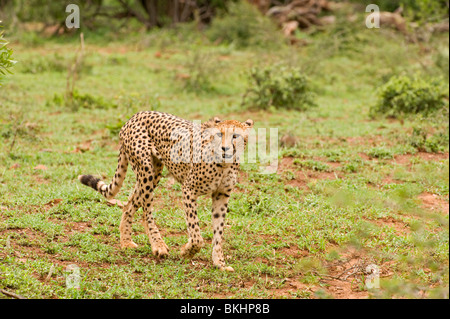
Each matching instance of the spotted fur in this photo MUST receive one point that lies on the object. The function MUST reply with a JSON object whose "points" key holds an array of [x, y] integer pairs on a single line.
{"points": [[203, 159]]}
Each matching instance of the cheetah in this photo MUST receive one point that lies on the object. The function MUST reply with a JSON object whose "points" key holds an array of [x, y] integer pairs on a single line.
{"points": [[204, 159]]}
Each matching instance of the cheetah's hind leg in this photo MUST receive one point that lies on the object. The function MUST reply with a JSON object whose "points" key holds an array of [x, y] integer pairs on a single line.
{"points": [[127, 220], [148, 178]]}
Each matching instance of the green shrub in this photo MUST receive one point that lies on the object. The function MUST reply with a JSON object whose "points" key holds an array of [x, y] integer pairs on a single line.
{"points": [[243, 25], [425, 10], [313, 165], [380, 152], [6, 61], [279, 87], [352, 167], [422, 142], [442, 61], [416, 10], [36, 64], [90, 101], [403, 95], [201, 68], [40, 64], [430, 134], [78, 100]]}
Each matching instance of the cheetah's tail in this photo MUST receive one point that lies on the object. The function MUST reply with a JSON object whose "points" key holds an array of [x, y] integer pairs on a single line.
{"points": [[108, 191]]}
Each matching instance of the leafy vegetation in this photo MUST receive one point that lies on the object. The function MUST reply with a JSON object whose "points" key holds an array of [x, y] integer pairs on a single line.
{"points": [[280, 87], [403, 95], [6, 61]]}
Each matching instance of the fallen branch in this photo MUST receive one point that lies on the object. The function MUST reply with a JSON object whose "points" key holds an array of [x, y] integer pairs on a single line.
{"points": [[11, 294]]}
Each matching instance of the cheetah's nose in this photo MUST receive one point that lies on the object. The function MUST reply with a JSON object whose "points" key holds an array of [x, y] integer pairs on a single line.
{"points": [[225, 148]]}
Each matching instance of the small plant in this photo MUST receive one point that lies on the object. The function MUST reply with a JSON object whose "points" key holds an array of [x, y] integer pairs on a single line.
{"points": [[279, 87], [442, 61], [420, 140], [430, 134], [52, 63], [6, 61], [200, 67], [313, 165], [40, 64], [79, 100], [380, 152], [403, 95], [351, 167]]}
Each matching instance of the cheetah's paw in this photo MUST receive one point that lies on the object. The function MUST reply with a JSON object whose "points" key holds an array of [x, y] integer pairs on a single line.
{"points": [[226, 268], [160, 249], [188, 250], [128, 244]]}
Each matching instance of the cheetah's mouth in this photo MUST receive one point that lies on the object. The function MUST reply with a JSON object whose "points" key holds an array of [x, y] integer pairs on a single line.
{"points": [[228, 155]]}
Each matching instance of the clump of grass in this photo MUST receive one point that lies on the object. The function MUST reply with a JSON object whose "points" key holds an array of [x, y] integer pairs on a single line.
{"points": [[402, 96], [278, 87], [82, 100], [442, 61], [430, 134], [380, 152], [201, 68], [6, 61], [42, 64], [352, 166], [313, 165]]}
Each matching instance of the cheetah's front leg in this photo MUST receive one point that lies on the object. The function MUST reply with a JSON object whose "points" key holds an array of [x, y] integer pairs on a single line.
{"points": [[195, 241], [219, 209]]}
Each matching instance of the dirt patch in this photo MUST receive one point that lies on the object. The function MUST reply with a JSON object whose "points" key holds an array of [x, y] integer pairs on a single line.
{"points": [[365, 157], [293, 251], [286, 163], [305, 176], [434, 203], [365, 140], [346, 277], [76, 227], [433, 156], [345, 290], [400, 227], [390, 180], [406, 158]]}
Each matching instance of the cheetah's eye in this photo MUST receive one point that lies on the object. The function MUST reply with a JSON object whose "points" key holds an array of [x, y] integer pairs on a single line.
{"points": [[219, 135], [235, 136]]}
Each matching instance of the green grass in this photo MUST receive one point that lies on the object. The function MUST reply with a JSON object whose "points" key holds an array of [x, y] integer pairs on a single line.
{"points": [[345, 190]]}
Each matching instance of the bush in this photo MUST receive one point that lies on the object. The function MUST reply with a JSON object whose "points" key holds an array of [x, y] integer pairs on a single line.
{"points": [[279, 87], [6, 61], [403, 95], [430, 134], [380, 152], [416, 10], [40, 64], [243, 25], [201, 68], [78, 100], [313, 165], [442, 61], [421, 140]]}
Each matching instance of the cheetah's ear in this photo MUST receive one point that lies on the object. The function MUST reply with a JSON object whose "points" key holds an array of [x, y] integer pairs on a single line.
{"points": [[248, 126], [248, 123], [216, 120]]}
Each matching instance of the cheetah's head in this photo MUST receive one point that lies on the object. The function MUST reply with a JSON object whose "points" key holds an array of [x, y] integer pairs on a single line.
{"points": [[229, 138]]}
